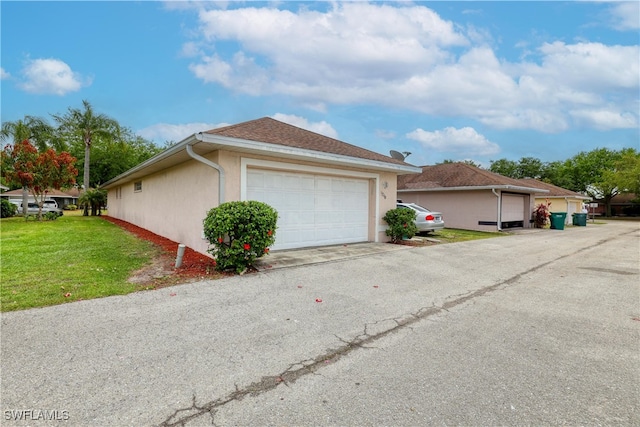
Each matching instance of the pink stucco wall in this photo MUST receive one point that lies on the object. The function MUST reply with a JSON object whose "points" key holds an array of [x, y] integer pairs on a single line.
{"points": [[463, 209]]}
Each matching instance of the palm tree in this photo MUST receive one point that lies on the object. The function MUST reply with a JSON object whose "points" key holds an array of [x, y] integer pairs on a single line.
{"points": [[33, 129], [86, 126], [94, 200]]}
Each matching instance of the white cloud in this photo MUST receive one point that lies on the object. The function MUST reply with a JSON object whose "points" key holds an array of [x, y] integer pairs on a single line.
{"points": [[605, 119], [625, 15], [406, 56], [51, 76], [166, 132], [322, 127], [465, 141], [4, 74]]}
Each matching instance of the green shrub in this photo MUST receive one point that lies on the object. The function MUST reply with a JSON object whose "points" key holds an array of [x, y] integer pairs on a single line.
{"points": [[70, 207], [50, 216], [401, 223], [8, 209], [239, 233]]}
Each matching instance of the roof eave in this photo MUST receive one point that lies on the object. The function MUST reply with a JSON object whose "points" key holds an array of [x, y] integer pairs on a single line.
{"points": [[305, 154], [477, 187], [254, 147], [155, 159]]}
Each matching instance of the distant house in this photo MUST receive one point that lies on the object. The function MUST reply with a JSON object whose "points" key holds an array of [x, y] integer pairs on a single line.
{"points": [[562, 200], [63, 198], [325, 191], [471, 198], [625, 204]]}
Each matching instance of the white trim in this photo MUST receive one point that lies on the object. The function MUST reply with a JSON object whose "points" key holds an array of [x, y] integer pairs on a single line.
{"points": [[268, 164]]}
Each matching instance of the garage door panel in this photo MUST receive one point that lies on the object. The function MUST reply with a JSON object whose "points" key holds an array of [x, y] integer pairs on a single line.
{"points": [[313, 209], [512, 207]]}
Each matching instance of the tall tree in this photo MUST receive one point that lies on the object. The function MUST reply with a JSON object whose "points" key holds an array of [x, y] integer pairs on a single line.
{"points": [[591, 173], [33, 129], [110, 158], [37, 171], [628, 171], [504, 167], [530, 167], [86, 126]]}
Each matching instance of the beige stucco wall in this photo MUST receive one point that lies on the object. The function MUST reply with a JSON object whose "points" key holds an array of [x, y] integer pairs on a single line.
{"points": [[464, 209], [562, 204], [173, 203]]}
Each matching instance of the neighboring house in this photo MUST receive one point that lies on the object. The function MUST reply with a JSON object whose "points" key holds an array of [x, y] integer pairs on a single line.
{"points": [[562, 200], [624, 204], [471, 198], [62, 198], [325, 191]]}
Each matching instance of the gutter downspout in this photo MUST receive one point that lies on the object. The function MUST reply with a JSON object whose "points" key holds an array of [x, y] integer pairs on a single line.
{"points": [[493, 190], [208, 162]]}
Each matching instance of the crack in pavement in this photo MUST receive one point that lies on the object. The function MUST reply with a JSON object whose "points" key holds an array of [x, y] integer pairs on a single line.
{"points": [[297, 370]]}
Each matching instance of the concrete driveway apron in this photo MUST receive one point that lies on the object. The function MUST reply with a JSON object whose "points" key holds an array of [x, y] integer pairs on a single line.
{"points": [[403, 337]]}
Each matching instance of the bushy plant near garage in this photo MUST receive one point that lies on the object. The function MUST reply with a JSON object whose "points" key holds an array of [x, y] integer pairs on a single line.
{"points": [[239, 233], [401, 224], [7, 209]]}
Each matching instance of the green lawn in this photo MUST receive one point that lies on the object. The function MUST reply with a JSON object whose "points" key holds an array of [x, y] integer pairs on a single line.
{"points": [[452, 235], [69, 259]]}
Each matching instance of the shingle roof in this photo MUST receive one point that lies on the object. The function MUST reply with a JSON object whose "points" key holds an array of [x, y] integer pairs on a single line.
{"points": [[554, 190], [51, 193], [271, 131], [449, 175]]}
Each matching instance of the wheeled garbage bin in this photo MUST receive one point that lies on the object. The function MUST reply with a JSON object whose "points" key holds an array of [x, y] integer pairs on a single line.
{"points": [[580, 219], [557, 220]]}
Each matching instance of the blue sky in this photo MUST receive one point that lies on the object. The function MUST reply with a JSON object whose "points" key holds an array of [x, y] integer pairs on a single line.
{"points": [[461, 80]]}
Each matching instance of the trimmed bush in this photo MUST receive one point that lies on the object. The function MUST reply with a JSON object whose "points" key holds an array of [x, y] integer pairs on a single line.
{"points": [[8, 209], [401, 224], [239, 233]]}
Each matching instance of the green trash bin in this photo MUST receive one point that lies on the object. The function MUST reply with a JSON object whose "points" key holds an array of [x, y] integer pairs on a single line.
{"points": [[557, 220], [580, 219]]}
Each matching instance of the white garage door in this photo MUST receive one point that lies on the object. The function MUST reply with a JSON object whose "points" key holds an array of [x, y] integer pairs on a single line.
{"points": [[313, 210], [512, 208]]}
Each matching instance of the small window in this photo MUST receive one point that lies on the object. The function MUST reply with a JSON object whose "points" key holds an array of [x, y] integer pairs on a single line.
{"points": [[137, 186]]}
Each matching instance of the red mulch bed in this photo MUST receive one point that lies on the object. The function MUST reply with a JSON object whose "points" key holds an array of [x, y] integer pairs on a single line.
{"points": [[194, 264]]}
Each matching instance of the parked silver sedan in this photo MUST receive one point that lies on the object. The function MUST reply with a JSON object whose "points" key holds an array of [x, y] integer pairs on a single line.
{"points": [[425, 219]]}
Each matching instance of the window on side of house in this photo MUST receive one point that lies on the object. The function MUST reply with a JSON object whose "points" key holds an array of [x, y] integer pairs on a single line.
{"points": [[137, 186]]}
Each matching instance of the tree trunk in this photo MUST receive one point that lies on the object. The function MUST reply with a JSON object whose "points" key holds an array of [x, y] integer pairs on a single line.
{"points": [[25, 202], [87, 161]]}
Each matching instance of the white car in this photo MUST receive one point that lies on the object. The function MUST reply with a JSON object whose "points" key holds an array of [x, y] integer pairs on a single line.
{"points": [[32, 209], [426, 220]]}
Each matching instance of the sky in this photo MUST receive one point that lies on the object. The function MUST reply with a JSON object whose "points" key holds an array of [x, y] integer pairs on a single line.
{"points": [[442, 80]]}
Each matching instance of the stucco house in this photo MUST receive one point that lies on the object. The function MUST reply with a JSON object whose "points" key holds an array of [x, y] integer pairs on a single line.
{"points": [[471, 198], [325, 191], [562, 200]]}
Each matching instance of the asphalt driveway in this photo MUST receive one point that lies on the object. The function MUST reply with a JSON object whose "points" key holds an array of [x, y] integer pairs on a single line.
{"points": [[539, 328]]}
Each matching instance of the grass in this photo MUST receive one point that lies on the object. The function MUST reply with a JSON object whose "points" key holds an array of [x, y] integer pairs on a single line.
{"points": [[69, 259], [453, 235]]}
